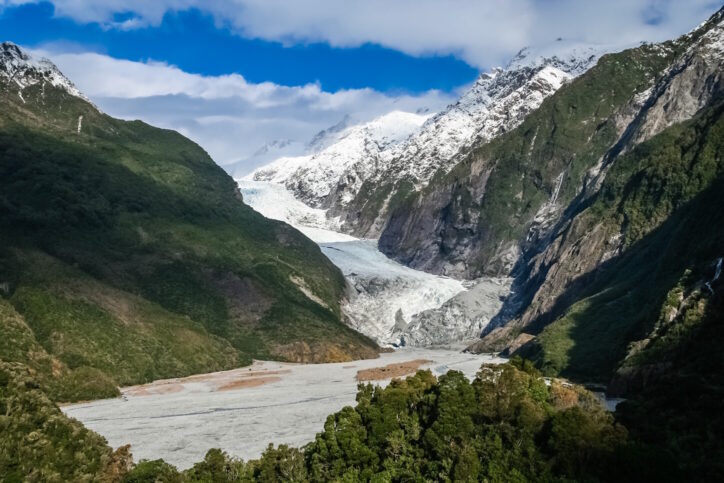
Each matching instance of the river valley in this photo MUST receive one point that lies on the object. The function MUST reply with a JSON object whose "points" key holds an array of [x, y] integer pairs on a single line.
{"points": [[243, 410]]}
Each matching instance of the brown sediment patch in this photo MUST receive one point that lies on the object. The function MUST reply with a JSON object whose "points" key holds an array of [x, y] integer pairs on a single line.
{"points": [[245, 383], [166, 389], [216, 381], [348, 367], [390, 371], [265, 373], [197, 378], [215, 376]]}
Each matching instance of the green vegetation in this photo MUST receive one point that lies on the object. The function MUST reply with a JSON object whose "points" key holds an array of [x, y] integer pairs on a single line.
{"points": [[18, 345], [679, 411], [507, 425], [41, 444], [666, 198], [128, 255]]}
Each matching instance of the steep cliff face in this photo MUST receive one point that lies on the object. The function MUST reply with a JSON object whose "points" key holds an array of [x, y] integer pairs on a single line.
{"points": [[580, 245], [509, 197], [596, 295], [593, 288], [474, 220]]}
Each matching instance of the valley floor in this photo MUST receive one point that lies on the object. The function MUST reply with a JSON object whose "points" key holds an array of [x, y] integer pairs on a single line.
{"points": [[243, 410]]}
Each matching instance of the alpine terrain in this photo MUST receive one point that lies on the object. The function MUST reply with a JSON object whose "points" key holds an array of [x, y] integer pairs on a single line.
{"points": [[525, 286], [604, 205], [360, 172], [360, 178]]}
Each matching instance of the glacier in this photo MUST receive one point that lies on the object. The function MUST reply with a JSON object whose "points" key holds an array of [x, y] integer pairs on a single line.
{"points": [[394, 304], [391, 303]]}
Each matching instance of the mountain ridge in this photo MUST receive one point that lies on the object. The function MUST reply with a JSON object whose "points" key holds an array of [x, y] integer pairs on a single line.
{"points": [[360, 189], [638, 134]]}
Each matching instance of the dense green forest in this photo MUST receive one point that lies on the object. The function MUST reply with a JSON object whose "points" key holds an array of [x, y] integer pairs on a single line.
{"points": [[508, 424]]}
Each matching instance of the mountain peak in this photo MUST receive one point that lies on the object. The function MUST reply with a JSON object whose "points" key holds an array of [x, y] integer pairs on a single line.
{"points": [[19, 66]]}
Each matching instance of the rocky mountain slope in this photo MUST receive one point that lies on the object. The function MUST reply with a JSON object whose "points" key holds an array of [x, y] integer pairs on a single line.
{"points": [[506, 195], [128, 255], [497, 102], [600, 203]]}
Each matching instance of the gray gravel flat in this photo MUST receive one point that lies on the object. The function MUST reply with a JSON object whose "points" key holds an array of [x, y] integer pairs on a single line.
{"points": [[180, 419]]}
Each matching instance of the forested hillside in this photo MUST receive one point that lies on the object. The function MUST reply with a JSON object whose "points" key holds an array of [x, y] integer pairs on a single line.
{"points": [[128, 255]]}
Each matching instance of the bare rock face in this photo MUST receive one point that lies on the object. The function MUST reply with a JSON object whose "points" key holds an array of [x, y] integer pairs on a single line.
{"points": [[689, 85], [581, 244], [497, 340]]}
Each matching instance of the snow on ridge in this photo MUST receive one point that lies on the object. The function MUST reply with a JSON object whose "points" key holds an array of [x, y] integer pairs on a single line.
{"points": [[497, 102], [325, 138], [17, 65], [572, 57], [712, 42], [314, 176]]}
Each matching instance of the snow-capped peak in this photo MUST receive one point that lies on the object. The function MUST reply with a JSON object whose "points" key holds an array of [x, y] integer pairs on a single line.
{"points": [[25, 70], [312, 177], [497, 102], [329, 136], [400, 146]]}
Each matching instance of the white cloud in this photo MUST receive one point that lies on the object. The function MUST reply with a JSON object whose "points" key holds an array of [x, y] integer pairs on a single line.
{"points": [[230, 117], [482, 32]]}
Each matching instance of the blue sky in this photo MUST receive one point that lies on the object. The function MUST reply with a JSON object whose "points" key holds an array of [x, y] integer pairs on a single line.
{"points": [[236, 74], [192, 41]]}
